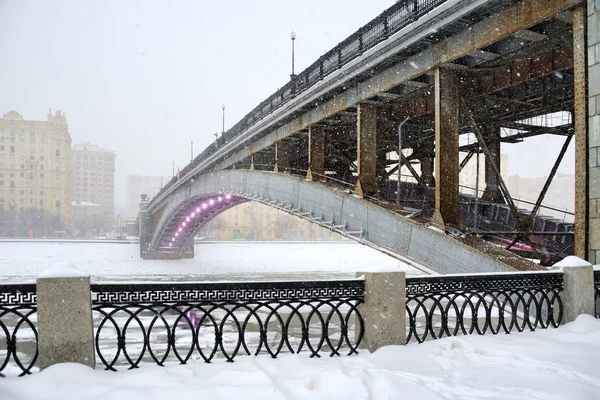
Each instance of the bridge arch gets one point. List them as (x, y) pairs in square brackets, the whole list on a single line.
[(213, 193)]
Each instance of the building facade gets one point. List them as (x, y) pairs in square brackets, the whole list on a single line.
[(35, 175), (138, 185), (94, 180)]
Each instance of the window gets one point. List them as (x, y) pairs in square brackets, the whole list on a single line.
[(57, 153), (1, 183), (12, 149), (2, 148), (42, 202)]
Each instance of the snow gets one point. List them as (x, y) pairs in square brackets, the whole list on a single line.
[(62, 270), (213, 261), (571, 262), (546, 364)]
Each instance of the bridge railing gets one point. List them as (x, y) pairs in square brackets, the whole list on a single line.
[(439, 306), (18, 329), (162, 323), (392, 20)]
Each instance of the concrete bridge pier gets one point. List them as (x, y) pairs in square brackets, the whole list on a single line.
[(145, 226)]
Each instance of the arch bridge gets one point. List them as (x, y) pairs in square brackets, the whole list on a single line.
[(427, 84)]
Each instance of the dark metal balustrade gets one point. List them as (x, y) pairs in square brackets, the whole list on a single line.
[(18, 329), (167, 322), (439, 306), (392, 20)]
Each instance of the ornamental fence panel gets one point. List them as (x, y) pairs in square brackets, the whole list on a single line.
[(18, 329), (162, 323), (439, 306)]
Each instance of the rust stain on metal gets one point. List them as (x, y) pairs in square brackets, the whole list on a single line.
[(581, 143)]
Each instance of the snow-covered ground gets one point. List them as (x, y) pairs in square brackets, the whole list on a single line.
[(547, 364), (213, 261)]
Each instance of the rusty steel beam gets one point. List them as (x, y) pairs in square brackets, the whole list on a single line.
[(511, 20), (316, 153), (421, 102), (581, 139), (447, 109), (366, 157), (540, 199)]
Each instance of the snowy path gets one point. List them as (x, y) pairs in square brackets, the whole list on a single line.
[(546, 364)]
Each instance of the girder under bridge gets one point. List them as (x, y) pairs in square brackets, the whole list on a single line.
[(168, 227)]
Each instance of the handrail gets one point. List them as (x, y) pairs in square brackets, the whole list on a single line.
[(398, 16)]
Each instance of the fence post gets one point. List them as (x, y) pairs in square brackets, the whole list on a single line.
[(578, 294), (384, 309), (64, 310)]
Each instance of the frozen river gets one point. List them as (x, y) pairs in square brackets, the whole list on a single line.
[(214, 261)]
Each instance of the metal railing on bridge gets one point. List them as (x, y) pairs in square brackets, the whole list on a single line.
[(392, 20)]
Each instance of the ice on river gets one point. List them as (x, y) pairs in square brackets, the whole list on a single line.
[(213, 261)]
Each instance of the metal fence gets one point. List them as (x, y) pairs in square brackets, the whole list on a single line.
[(441, 306), (18, 329), (392, 20), (163, 323)]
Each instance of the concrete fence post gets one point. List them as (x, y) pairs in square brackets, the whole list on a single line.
[(578, 294), (64, 312), (384, 310)]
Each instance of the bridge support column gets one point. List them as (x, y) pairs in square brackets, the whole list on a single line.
[(145, 227), (366, 136), (447, 107), (384, 309), (492, 192), (282, 156), (316, 153), (587, 143), (578, 292)]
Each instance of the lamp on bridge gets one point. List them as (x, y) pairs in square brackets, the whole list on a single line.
[(223, 108), (293, 37)]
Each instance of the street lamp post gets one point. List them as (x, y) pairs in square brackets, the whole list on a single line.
[(293, 37), (223, 108)]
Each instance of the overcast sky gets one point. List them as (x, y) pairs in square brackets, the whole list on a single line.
[(144, 78)]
